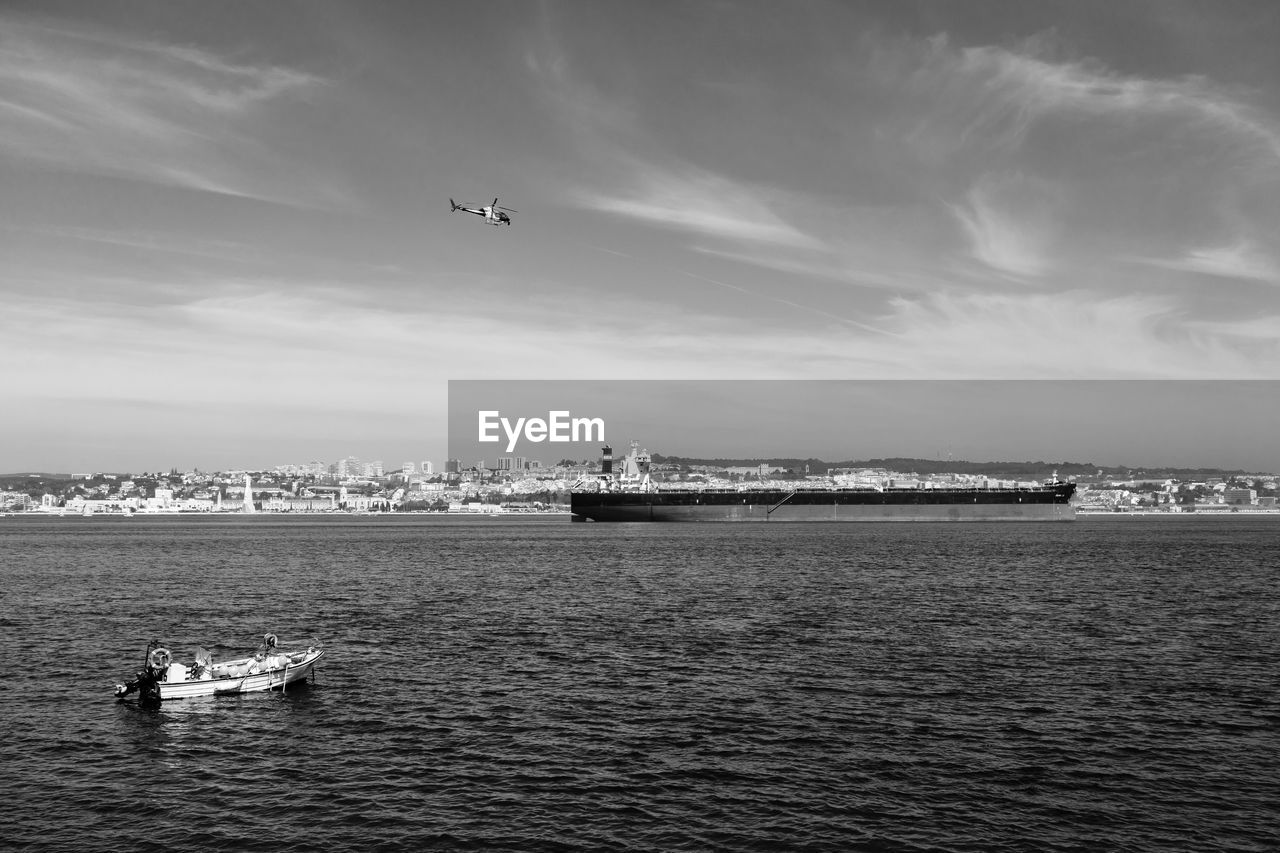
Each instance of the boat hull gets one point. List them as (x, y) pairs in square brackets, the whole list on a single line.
[(1050, 503), (277, 678)]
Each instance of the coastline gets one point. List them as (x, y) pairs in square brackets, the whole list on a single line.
[(529, 517), (315, 517), (1213, 514)]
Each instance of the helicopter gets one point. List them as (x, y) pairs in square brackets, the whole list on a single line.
[(492, 214)]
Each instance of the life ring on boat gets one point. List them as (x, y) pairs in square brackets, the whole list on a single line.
[(270, 641), (159, 658)]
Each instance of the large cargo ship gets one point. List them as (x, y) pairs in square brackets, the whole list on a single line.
[(631, 496)]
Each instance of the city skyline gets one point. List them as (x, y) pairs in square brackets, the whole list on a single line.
[(227, 240)]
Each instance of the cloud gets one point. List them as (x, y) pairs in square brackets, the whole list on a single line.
[(250, 344), (1242, 259), (234, 364), (1071, 334), (1263, 330), (701, 202), (852, 271), (1063, 172), (656, 187), (1008, 221), (152, 242), (96, 102), (1015, 89)]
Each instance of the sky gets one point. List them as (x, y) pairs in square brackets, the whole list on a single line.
[(225, 237), (1135, 423)]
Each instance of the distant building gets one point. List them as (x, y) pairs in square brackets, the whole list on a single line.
[(15, 501), (760, 471), (349, 467), (314, 503), (1239, 497)]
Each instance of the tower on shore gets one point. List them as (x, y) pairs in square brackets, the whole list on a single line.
[(248, 494)]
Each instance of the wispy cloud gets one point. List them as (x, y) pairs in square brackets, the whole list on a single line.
[(790, 303), (1060, 171), (1262, 333), (999, 94), (92, 101), (151, 242), (1242, 259), (701, 202), (657, 187), (1070, 334), (1009, 223)]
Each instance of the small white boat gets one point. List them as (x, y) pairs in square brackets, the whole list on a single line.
[(270, 668)]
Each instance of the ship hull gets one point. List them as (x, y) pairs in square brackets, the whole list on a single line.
[(904, 505)]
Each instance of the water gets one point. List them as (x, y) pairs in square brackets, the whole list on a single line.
[(491, 685)]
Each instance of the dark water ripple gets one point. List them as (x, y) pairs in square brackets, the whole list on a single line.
[(501, 686)]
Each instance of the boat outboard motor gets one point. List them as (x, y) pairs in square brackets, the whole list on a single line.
[(147, 680)]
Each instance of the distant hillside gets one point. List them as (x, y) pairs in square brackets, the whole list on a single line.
[(39, 475), (1005, 470)]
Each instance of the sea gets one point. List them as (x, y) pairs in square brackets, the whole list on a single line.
[(535, 685)]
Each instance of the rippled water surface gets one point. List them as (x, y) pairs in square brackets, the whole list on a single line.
[(493, 685)]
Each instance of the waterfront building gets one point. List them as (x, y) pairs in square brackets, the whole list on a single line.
[(314, 503), (14, 501)]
